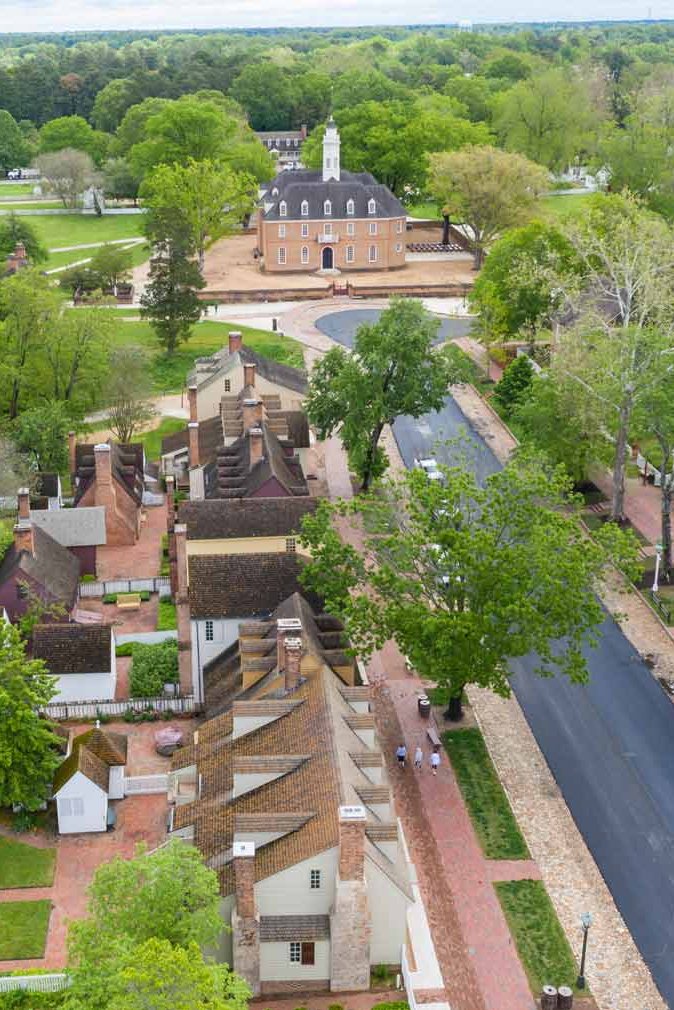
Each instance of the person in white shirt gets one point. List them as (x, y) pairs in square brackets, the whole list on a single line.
[(435, 761), (418, 758)]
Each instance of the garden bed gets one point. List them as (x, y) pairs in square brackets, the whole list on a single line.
[(487, 803)]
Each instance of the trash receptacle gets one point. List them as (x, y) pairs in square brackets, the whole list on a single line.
[(564, 998), (424, 707), (274, 324), (549, 998)]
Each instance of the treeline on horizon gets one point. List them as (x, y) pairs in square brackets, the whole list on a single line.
[(99, 75)]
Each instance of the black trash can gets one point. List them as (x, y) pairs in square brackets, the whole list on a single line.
[(274, 324), (424, 707)]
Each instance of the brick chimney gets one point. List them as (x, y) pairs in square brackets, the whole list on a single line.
[(192, 400), (256, 437), (235, 341), (252, 413), (352, 821), (303, 131), (72, 455), (244, 879), (245, 923), (183, 612), (193, 430), (23, 537), (103, 465), (292, 657), (23, 499), (286, 627), (249, 370)]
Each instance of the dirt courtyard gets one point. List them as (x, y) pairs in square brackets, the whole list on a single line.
[(230, 266)]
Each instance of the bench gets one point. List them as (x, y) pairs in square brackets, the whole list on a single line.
[(433, 737), (128, 601)]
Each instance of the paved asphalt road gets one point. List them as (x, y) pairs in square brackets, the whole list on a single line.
[(610, 745), (341, 326)]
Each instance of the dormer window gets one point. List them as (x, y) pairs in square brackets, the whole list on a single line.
[(305, 208), (350, 208), (283, 209), (274, 191), (372, 207), (327, 208)]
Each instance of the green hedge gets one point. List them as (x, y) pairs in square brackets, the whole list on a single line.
[(167, 619), (125, 649), (152, 667)]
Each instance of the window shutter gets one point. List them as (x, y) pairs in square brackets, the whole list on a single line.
[(308, 953)]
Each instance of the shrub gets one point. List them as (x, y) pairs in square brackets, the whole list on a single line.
[(88, 578), (103, 717), (110, 598), (125, 649), (167, 619), (380, 973), (152, 667), (145, 595), (129, 715), (515, 386)]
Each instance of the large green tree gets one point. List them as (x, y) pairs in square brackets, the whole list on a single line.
[(466, 576), (28, 744), (41, 432), (127, 392), (212, 199), (14, 229), (29, 310), (393, 369), (14, 149), (75, 133), (486, 190), (170, 299), (517, 291), (67, 173)]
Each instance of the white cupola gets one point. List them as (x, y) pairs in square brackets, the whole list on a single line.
[(331, 143)]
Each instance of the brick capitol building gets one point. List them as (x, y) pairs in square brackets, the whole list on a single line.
[(330, 220)]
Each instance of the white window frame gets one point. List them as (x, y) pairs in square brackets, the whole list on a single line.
[(372, 254), (305, 254), (283, 209), (399, 226), (350, 208), (305, 229), (295, 952), (282, 256), (399, 247), (291, 545), (350, 254), (209, 631), (281, 231), (327, 228), (350, 227), (372, 227), (372, 206), (304, 208), (314, 880), (327, 208)]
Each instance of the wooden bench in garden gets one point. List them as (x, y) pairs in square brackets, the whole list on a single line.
[(128, 601), (433, 737)]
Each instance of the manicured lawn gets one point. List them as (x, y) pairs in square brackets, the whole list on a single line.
[(58, 230), (24, 865), (539, 938), (561, 207), (7, 206), (16, 188), (426, 209), (152, 439), (169, 374), (166, 616), (23, 929), (493, 820), (139, 253)]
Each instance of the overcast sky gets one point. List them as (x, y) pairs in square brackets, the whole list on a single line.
[(73, 15)]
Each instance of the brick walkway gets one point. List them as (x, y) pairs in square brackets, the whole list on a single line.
[(642, 502), (140, 561)]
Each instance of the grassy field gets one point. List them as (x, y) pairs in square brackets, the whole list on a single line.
[(25, 865), (426, 209), (58, 230), (493, 820), (23, 929), (541, 944), (559, 208), (7, 205), (168, 374), (152, 439), (16, 188), (139, 253)]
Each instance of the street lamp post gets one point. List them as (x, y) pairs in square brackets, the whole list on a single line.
[(586, 922), (658, 557)]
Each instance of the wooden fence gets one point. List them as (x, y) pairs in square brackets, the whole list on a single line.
[(181, 705), (160, 584), (55, 982)]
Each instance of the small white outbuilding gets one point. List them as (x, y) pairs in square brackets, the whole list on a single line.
[(81, 657), (91, 775)]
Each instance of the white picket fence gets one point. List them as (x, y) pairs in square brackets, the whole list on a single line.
[(160, 584), (181, 705), (35, 983), (145, 785)]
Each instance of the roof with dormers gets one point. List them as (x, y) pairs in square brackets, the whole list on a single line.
[(307, 743), (294, 188)]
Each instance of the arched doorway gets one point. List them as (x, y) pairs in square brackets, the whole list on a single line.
[(328, 258)]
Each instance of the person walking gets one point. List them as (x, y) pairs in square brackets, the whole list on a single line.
[(418, 758), (401, 754), (435, 761)]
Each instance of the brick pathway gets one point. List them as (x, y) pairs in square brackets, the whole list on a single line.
[(642, 502), (349, 1000), (140, 561), (476, 952)]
